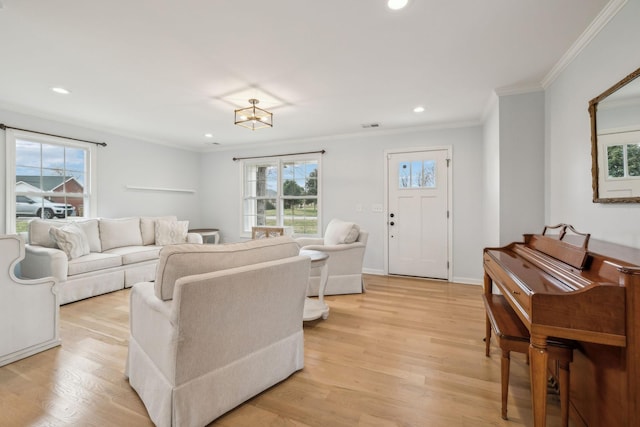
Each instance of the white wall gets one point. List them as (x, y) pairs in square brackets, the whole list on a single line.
[(521, 165), (491, 188), (125, 161), (611, 55), (353, 169)]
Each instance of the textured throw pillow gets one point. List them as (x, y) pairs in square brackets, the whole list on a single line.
[(71, 239), (148, 227), (171, 232), (340, 232)]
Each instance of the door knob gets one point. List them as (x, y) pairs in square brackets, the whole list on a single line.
[(392, 223), (391, 215)]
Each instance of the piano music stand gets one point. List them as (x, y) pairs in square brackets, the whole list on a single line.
[(512, 335)]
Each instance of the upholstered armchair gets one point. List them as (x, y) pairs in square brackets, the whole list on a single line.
[(345, 243)]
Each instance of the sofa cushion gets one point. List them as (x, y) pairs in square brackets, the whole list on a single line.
[(148, 227), (339, 232), (116, 233), (39, 232), (178, 261), (91, 229), (93, 262), (134, 254), (71, 239), (171, 232)]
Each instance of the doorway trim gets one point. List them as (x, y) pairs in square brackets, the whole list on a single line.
[(385, 159)]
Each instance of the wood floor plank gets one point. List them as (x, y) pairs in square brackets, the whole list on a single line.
[(407, 352)]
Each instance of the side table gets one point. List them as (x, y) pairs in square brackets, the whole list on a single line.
[(207, 233), (316, 308)]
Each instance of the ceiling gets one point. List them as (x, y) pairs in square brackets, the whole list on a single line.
[(169, 72)]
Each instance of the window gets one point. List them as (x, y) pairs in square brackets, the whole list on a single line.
[(417, 174), (47, 177), (282, 192), (623, 161)]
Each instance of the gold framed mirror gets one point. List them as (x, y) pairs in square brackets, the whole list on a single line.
[(615, 142)]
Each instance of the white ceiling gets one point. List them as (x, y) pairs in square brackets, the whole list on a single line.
[(170, 71)]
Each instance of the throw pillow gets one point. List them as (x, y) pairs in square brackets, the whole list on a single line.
[(71, 239), (340, 232), (118, 233), (148, 227), (39, 232), (91, 229), (171, 232)]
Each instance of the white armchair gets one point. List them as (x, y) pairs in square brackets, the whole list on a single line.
[(345, 243)]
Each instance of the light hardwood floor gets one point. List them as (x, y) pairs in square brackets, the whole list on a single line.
[(408, 352)]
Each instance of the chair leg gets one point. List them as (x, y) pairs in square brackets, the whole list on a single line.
[(504, 364), (564, 391)]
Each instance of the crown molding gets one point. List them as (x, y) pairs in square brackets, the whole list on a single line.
[(605, 15)]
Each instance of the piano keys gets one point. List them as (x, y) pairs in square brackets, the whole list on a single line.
[(563, 284)]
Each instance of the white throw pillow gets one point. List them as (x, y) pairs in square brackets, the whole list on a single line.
[(340, 232), (171, 232), (91, 229), (71, 239), (118, 233), (39, 232)]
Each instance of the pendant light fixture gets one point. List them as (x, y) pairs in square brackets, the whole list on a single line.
[(253, 117)]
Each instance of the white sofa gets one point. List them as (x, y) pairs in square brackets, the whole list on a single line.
[(220, 324), (345, 243), (90, 257)]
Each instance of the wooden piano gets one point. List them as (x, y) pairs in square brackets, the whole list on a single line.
[(562, 284)]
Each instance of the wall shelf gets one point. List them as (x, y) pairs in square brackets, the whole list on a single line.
[(170, 190)]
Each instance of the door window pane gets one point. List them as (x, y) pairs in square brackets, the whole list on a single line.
[(417, 174)]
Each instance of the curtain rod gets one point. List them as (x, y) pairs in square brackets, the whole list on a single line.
[(279, 155), (3, 127)]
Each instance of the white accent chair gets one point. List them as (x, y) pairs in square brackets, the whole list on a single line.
[(221, 324), (345, 243), (29, 309)]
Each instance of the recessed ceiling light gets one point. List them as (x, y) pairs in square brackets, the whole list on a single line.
[(208, 135), (61, 90), (397, 4), (418, 109)]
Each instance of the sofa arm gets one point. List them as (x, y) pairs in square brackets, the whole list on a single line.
[(151, 327), (194, 238), (44, 262), (306, 241)]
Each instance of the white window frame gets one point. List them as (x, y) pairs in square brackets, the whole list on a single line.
[(11, 135), (278, 161)]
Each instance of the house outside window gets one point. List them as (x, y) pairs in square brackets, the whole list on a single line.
[(47, 177), (282, 192)]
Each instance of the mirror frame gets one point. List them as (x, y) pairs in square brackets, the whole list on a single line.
[(593, 109)]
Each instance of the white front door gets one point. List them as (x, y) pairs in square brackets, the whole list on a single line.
[(418, 213)]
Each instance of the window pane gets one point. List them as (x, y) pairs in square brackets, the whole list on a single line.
[(615, 161), (404, 175), (302, 217), (633, 159), (53, 158), (429, 174), (27, 156)]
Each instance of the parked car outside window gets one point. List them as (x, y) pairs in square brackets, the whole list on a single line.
[(43, 208)]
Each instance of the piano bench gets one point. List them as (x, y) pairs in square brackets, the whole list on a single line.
[(512, 335)]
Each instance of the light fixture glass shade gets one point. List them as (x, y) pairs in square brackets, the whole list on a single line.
[(253, 117)]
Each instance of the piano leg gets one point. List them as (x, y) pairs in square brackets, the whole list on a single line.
[(539, 357)]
